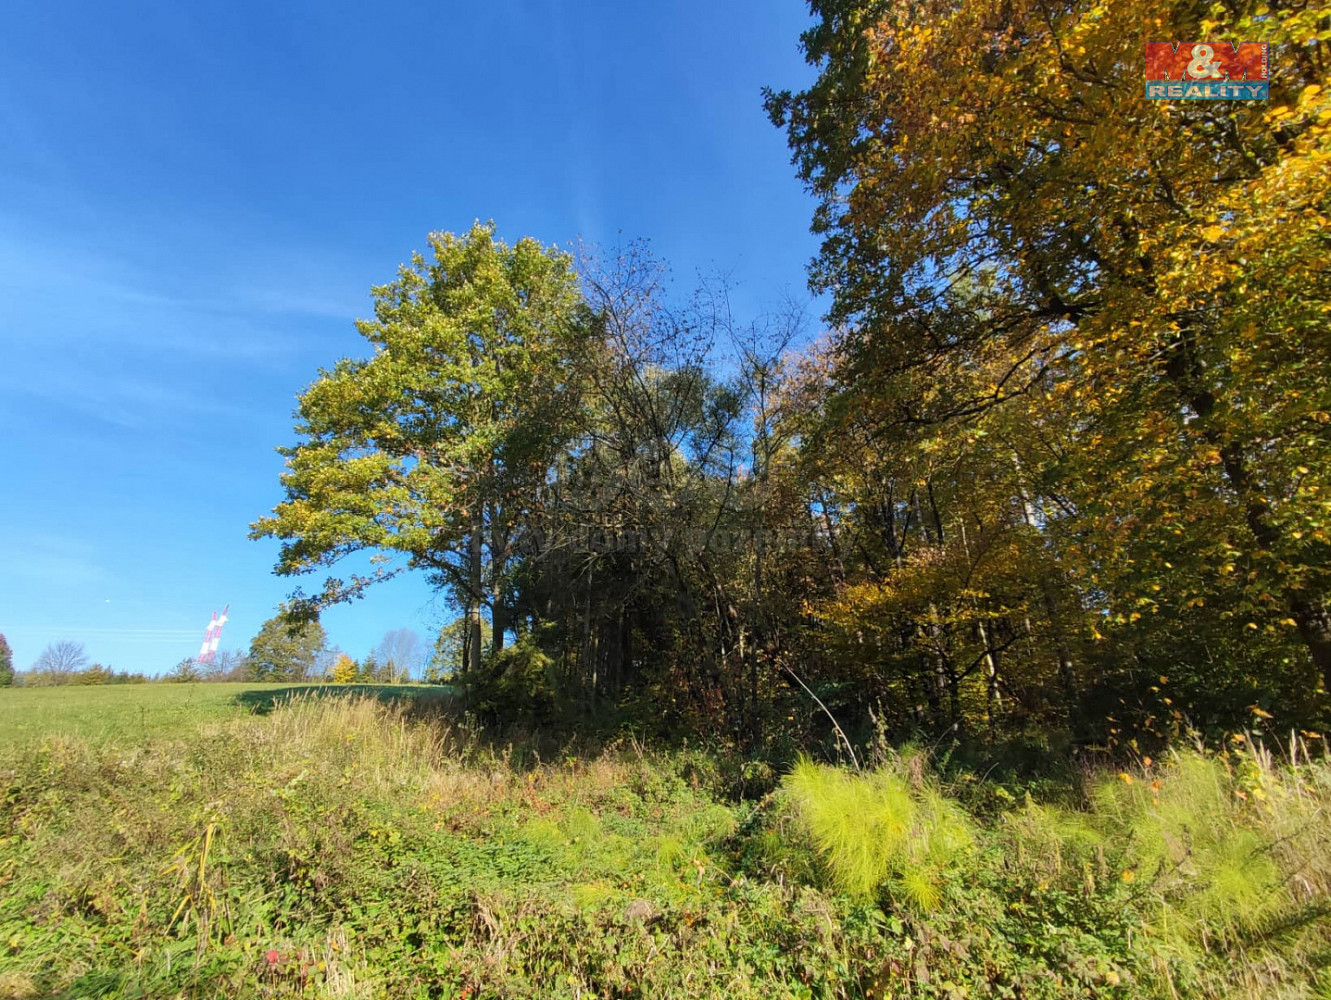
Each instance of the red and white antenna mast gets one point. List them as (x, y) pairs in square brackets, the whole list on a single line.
[(212, 637)]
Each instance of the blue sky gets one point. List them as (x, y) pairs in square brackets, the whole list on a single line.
[(195, 199)]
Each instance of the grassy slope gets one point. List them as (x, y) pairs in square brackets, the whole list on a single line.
[(127, 712), (343, 849), (116, 712)]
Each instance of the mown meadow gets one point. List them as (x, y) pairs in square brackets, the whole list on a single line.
[(121, 712), (351, 846)]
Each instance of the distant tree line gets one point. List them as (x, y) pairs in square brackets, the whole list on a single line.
[(61, 663), (284, 650), (290, 648)]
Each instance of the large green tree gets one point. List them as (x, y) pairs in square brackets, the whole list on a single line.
[(287, 648), (6, 662), (434, 447)]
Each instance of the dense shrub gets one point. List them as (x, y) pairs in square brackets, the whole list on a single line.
[(515, 685)]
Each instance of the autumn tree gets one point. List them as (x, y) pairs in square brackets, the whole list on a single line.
[(1129, 296), (433, 447), (343, 671)]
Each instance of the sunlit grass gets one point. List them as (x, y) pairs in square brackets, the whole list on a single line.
[(873, 829), (115, 712), (376, 847), (130, 712)]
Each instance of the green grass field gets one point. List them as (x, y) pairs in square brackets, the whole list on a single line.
[(115, 712), (132, 712), (165, 842)]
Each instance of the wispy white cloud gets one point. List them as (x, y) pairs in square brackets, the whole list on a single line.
[(39, 634), (96, 335), (70, 293), (129, 402), (42, 560)]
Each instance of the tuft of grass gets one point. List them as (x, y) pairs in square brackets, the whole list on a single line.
[(872, 830), (17, 986), (1222, 857), (859, 823), (1183, 831)]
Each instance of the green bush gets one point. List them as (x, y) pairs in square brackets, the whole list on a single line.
[(515, 686)]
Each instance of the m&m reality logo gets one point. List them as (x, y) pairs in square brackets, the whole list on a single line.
[(1207, 71)]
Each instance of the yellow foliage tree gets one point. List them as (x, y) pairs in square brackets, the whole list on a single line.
[(344, 670), (1016, 239)]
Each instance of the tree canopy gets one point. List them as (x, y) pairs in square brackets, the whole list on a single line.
[(286, 648), (1112, 311), (433, 446), (1058, 463)]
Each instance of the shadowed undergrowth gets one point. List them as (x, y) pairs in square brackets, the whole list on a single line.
[(345, 848)]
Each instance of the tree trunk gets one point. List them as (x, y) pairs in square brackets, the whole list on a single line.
[(1309, 610), (498, 619), (993, 699), (588, 668), (1314, 623), (475, 593), (953, 695), (758, 645), (498, 569), (1066, 677)]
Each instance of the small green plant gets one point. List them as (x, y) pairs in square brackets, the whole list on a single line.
[(871, 830)]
